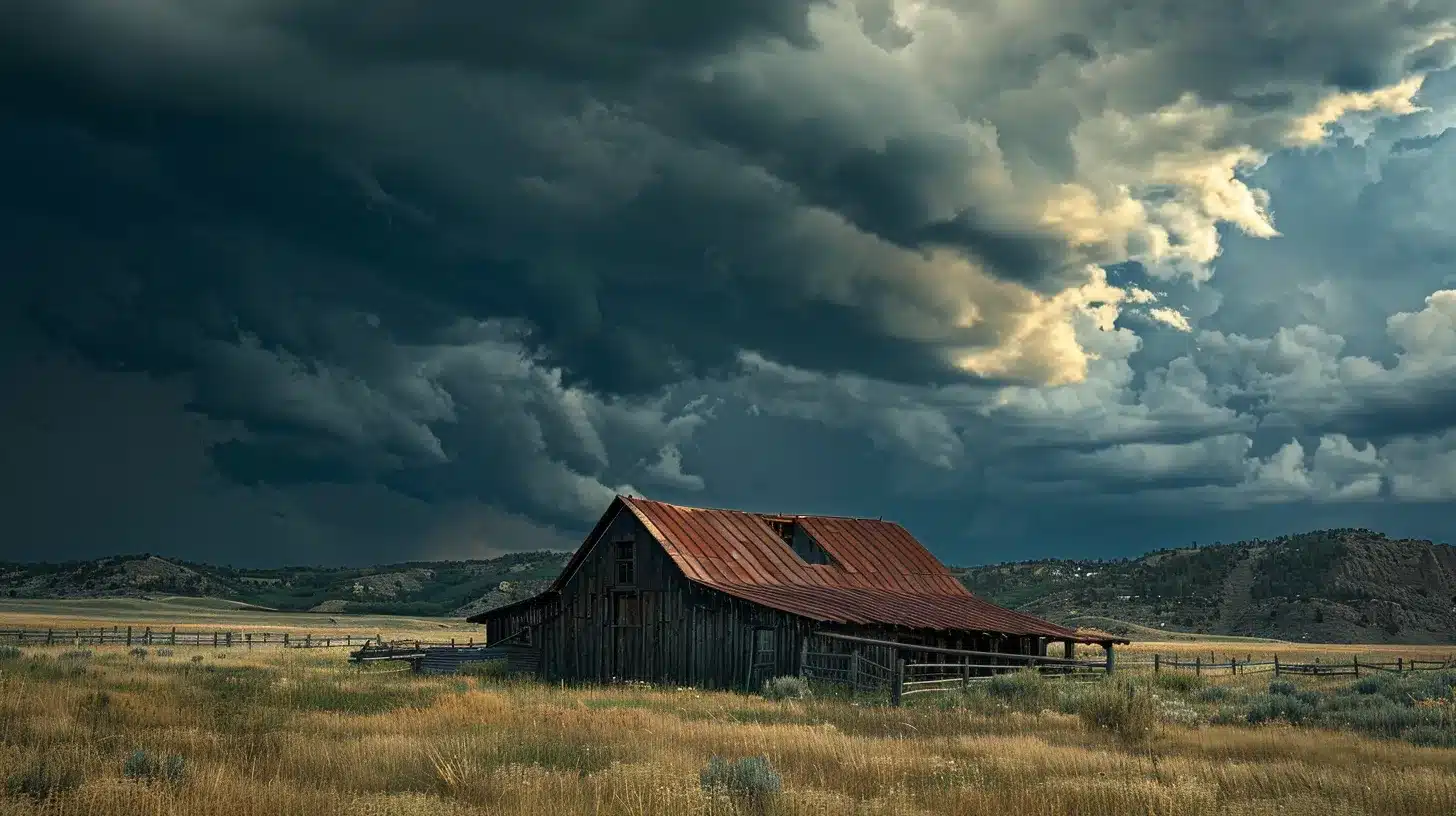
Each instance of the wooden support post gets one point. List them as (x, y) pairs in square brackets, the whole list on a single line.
[(1276, 665), (214, 640), (804, 656), (128, 635), (248, 639), (1198, 665), (854, 670), (965, 674), (898, 690), (285, 640), (1111, 658), (173, 641), (307, 639), (147, 636), (1156, 664), (1400, 665), (50, 636), (1357, 665)]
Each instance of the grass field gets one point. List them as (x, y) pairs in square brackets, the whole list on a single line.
[(274, 732), (213, 613), (1221, 651)]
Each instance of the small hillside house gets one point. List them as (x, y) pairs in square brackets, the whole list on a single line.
[(726, 599)]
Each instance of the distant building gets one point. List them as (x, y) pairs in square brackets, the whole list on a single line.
[(726, 598)]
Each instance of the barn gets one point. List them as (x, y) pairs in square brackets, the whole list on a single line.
[(726, 599)]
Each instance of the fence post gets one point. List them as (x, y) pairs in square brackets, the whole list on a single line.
[(173, 641), (1276, 665), (214, 640), (898, 690), (1157, 664), (1111, 659), (1400, 665), (965, 674), (307, 639), (128, 635), (285, 640), (248, 639), (1198, 665), (1357, 665)]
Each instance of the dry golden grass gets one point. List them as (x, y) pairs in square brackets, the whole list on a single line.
[(1289, 652), (269, 732), (162, 615)]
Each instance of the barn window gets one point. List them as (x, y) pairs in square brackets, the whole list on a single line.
[(626, 563), (799, 540), (763, 642), (629, 609)]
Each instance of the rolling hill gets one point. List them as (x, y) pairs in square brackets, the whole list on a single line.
[(1347, 585), (1333, 586), (434, 588)]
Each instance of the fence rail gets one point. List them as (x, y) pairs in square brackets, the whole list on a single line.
[(949, 670), (147, 636), (1354, 668)]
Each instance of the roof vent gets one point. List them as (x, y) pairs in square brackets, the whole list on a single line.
[(799, 541)]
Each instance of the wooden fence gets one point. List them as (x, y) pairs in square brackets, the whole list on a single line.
[(866, 664), (147, 636), (1354, 668)]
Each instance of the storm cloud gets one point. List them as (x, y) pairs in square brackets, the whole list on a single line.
[(478, 269)]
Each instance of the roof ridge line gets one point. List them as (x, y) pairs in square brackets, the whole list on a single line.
[(763, 515)]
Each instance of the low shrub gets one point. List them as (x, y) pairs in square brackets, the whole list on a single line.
[(1280, 707), (752, 779), (1024, 690), (197, 658), (8, 652), (76, 654), (787, 688), (45, 776), (1128, 711), (1175, 711), (1430, 736), (1382, 717), (1285, 687), (139, 653), (1213, 694), (164, 653), (143, 766)]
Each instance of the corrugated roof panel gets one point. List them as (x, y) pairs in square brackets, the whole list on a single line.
[(880, 574)]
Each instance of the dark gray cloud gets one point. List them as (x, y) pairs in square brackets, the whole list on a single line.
[(486, 266)]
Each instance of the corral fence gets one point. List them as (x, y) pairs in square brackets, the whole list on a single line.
[(447, 657), (902, 669), (1355, 667), (147, 636)]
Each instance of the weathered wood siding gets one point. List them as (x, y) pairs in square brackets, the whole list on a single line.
[(683, 633)]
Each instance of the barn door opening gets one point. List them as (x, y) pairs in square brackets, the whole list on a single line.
[(764, 661), (627, 636)]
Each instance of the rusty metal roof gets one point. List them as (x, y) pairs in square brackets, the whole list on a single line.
[(880, 574)]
